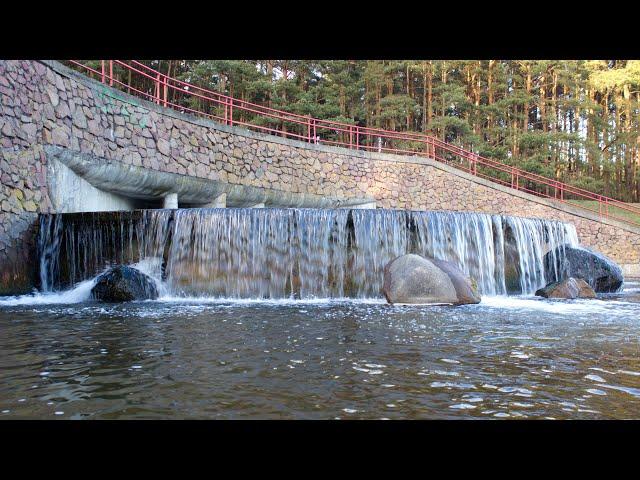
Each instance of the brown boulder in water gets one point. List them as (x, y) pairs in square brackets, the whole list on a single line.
[(415, 279), (569, 288)]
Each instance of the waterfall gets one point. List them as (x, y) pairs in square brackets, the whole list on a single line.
[(49, 250), (300, 253)]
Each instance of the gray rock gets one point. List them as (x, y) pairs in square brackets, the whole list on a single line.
[(53, 95), (164, 146), (568, 288), (60, 135), (599, 271), (123, 284), (79, 119), (62, 110), (7, 130), (28, 132), (414, 279)]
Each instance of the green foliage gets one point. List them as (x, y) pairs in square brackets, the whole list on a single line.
[(588, 183)]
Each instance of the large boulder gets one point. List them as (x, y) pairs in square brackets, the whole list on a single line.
[(415, 279), (600, 272), (568, 288), (123, 284)]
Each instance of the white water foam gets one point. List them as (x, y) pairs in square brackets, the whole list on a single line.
[(271, 301), (573, 307), (80, 293)]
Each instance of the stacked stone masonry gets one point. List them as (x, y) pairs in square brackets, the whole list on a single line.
[(44, 103)]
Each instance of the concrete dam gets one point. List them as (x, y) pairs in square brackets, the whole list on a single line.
[(71, 144)]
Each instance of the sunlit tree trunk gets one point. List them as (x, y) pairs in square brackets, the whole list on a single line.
[(490, 97)]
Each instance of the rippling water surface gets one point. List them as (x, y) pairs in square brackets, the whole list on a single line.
[(515, 357)]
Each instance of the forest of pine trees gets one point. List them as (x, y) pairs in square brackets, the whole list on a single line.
[(575, 121)]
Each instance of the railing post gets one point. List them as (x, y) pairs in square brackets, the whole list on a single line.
[(230, 111), (166, 90), (102, 69), (351, 136), (309, 129), (600, 205), (315, 135), (226, 107), (158, 89), (357, 137), (111, 73)]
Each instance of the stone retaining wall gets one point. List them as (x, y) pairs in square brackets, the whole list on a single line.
[(44, 103)]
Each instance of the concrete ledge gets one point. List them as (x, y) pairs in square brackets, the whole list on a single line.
[(369, 156)]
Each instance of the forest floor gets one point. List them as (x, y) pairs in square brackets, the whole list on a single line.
[(615, 211)]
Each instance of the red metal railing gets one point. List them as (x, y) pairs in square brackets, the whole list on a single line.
[(188, 98)]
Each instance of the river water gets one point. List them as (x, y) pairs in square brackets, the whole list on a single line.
[(508, 357)]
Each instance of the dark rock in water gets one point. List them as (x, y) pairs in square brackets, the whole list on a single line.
[(123, 284), (414, 279), (600, 272), (569, 288)]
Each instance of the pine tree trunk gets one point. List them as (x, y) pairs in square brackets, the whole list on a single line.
[(430, 95), (628, 151), (636, 163), (424, 96), (408, 79), (476, 85), (525, 121), (554, 126), (444, 109), (270, 78), (490, 99)]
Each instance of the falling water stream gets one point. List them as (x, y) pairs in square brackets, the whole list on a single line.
[(295, 253)]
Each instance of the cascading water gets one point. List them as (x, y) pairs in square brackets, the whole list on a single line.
[(300, 253), (49, 250)]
